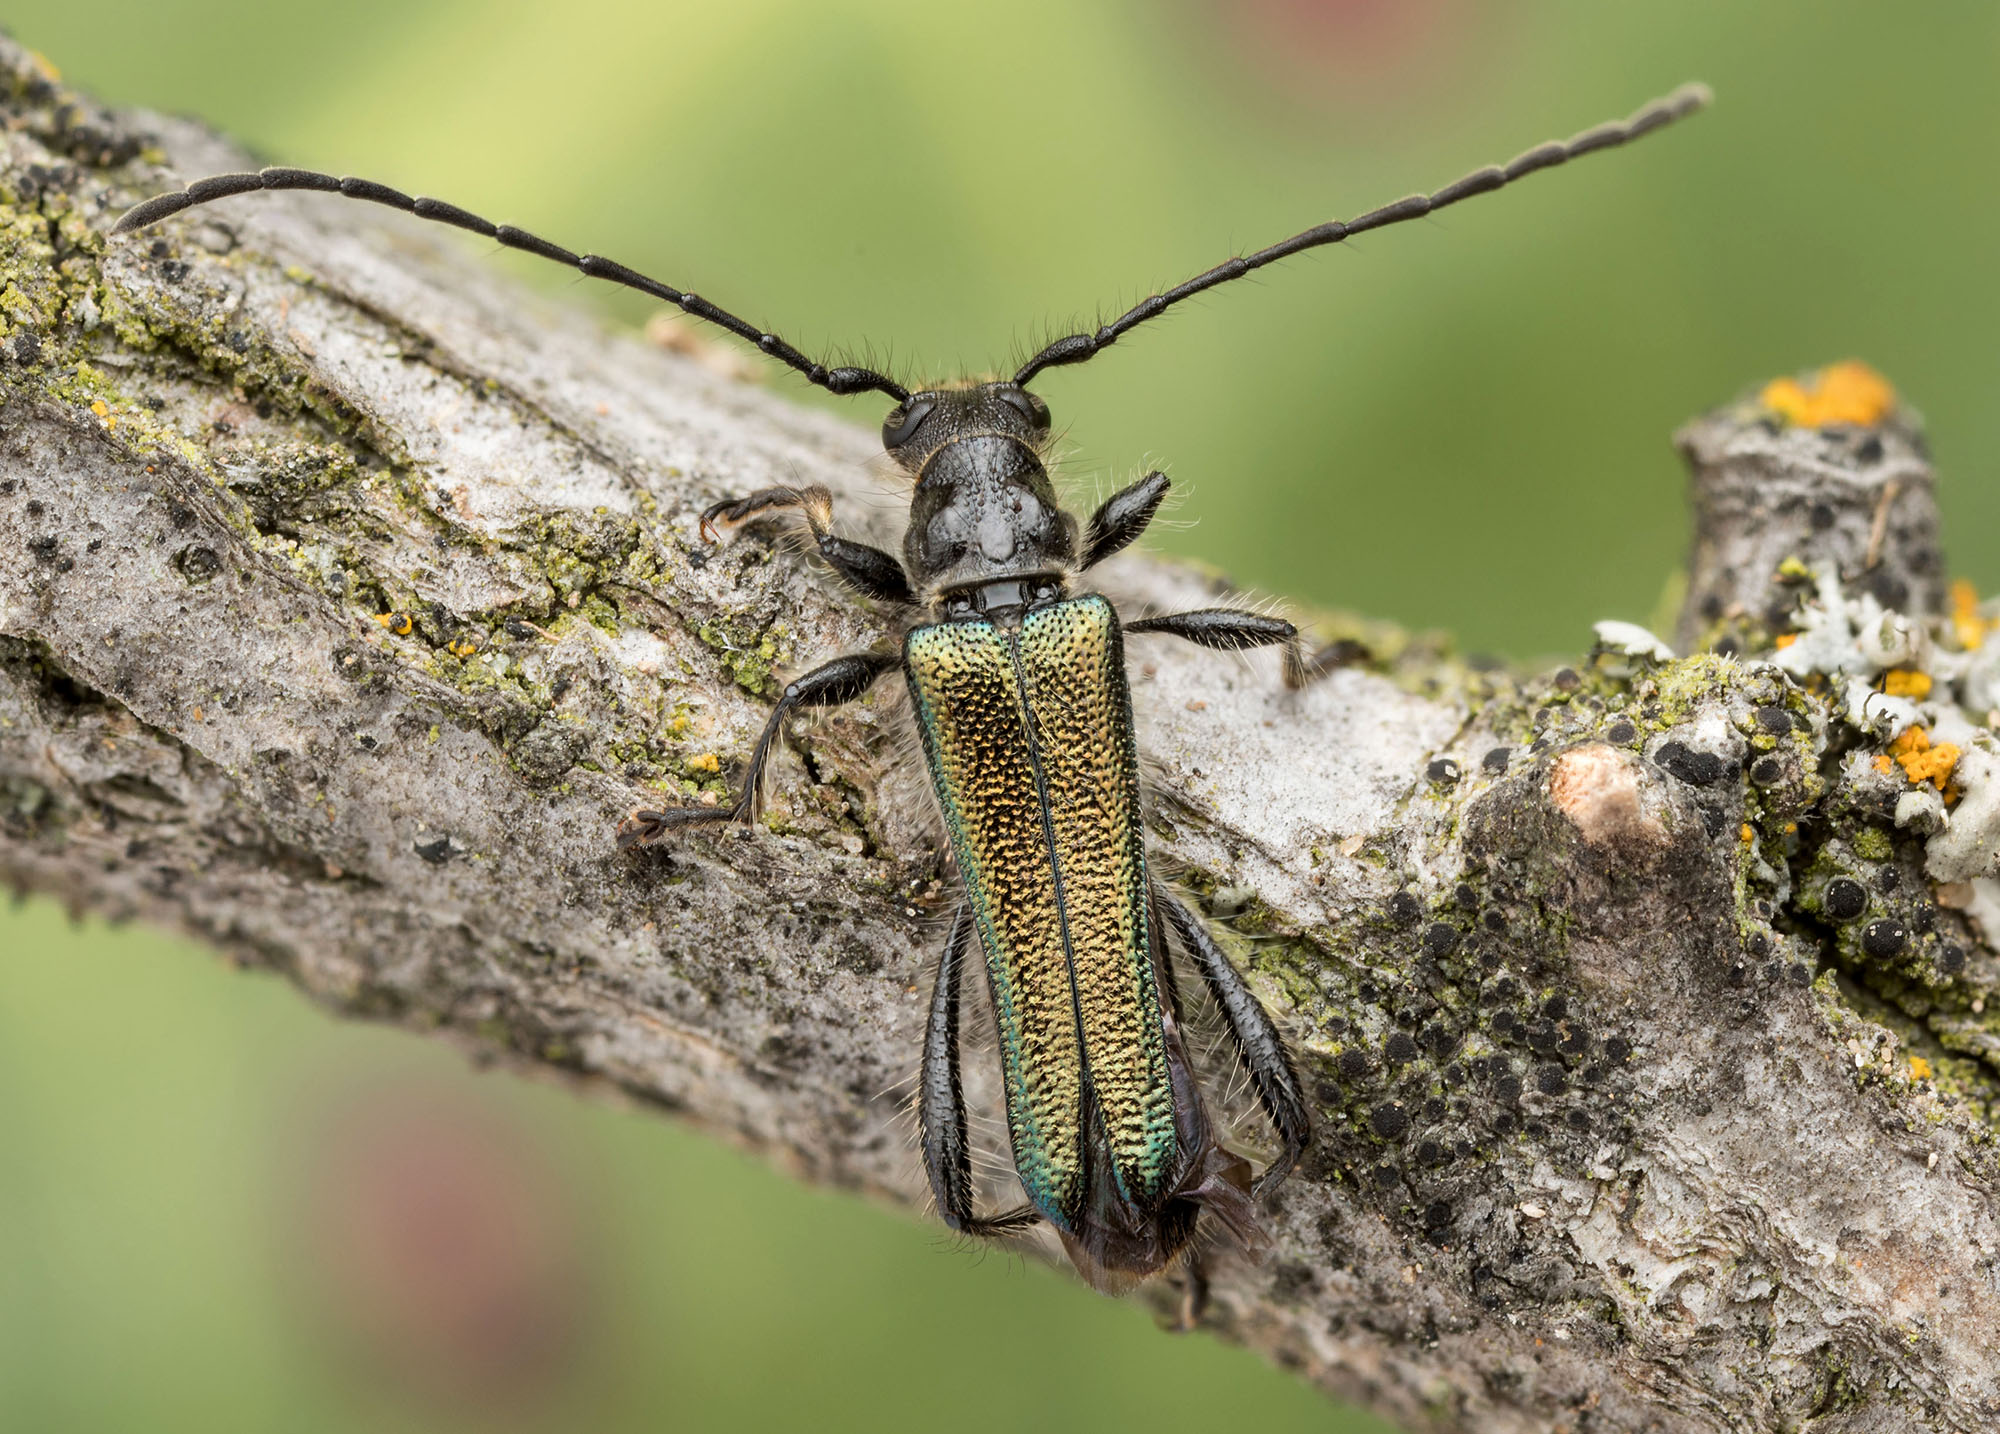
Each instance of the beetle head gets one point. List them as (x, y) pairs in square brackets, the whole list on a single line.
[(926, 421)]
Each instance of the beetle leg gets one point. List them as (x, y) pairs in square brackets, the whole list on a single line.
[(869, 571), (1232, 630), (1122, 517), (941, 1103), (841, 680), (1194, 1289), (1258, 1044)]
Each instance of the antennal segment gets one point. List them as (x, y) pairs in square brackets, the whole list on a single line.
[(1078, 347), (223, 186)]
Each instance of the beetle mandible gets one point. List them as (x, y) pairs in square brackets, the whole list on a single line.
[(1018, 686)]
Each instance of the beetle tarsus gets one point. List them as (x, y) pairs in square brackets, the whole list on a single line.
[(1345, 652), (1194, 1291), (828, 685), (869, 571)]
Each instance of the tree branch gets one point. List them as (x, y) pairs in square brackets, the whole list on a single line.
[(352, 596)]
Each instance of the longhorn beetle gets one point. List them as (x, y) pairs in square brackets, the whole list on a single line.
[(1017, 676)]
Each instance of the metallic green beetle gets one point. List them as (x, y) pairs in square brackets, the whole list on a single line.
[(1018, 682)]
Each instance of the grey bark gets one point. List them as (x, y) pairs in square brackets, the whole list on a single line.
[(1859, 497), (351, 596)]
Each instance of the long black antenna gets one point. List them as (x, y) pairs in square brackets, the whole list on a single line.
[(1078, 347), (222, 186)]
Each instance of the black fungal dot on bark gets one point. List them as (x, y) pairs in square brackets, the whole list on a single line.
[(1429, 1152), (1495, 761), (1883, 938), (1697, 769), (1845, 899), (1437, 1215), (1400, 1049), (1577, 1042), (1759, 944), (1618, 1048), (1555, 1008), (1767, 771), (1621, 732), (1385, 1176), (1466, 897), (1567, 680), (1775, 720), (1951, 960), (1389, 1121), (1798, 974), (1822, 517), (1442, 772), (1404, 908), (1353, 1063), (1578, 1119), (1888, 879), (1495, 921), (1440, 940), (1507, 1089), (197, 564), (1550, 1080), (1503, 1025)]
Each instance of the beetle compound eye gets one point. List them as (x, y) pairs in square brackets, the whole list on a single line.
[(903, 421), (1028, 405)]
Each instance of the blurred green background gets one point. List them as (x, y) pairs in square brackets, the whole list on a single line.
[(220, 1211)]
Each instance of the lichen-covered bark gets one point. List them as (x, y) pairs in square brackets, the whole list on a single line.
[(349, 597)]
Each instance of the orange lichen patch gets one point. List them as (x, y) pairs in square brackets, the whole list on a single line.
[(1966, 623), (463, 647), (706, 762), (1920, 1069), (397, 622), (1904, 682), (1784, 639), (1921, 762), (1849, 392), (1884, 763), (1747, 834)]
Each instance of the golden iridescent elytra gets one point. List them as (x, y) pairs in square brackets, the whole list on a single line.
[(1020, 694)]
